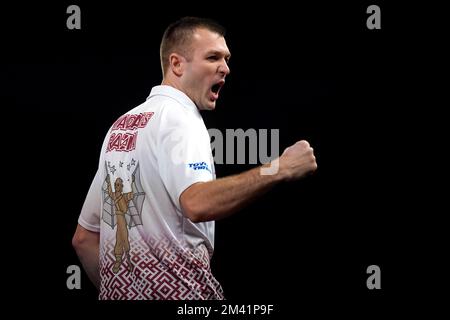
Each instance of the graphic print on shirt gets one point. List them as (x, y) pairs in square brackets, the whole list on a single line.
[(164, 270), (122, 210)]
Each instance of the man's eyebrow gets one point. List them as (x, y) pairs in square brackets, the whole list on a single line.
[(220, 53)]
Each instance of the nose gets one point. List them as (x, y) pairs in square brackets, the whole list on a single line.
[(223, 68)]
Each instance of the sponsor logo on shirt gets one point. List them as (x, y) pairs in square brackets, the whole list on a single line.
[(199, 166)]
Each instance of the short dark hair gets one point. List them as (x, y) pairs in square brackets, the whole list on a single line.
[(177, 36)]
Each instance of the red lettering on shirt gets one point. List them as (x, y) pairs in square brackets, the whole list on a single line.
[(132, 121), (122, 142)]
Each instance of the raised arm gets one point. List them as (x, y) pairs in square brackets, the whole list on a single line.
[(213, 200)]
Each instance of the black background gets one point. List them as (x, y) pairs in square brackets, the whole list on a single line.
[(314, 72)]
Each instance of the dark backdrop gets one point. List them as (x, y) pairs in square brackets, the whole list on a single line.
[(314, 72)]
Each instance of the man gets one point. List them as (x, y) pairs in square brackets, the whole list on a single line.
[(167, 194), (121, 203)]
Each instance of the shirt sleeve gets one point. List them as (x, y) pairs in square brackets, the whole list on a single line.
[(90, 213), (184, 151)]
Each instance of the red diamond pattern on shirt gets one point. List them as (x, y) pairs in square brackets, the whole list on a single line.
[(161, 270)]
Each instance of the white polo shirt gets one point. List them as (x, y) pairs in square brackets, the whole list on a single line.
[(155, 151)]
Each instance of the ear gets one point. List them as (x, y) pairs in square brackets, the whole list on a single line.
[(176, 64)]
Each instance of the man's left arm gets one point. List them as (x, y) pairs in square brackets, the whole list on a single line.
[(86, 244)]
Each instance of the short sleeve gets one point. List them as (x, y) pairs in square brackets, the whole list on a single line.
[(184, 151), (90, 213)]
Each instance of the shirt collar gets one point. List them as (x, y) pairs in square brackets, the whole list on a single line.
[(175, 94)]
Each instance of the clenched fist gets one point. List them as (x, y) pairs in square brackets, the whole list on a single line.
[(297, 161)]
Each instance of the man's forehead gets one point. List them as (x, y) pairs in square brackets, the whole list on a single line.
[(210, 41)]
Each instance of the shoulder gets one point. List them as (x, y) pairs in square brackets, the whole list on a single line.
[(173, 112)]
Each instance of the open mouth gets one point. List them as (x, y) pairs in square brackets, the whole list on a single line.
[(215, 89)]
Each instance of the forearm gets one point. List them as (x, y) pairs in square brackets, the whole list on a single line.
[(90, 262), (86, 244), (217, 199)]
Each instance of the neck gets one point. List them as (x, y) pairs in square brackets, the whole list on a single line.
[(170, 82)]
